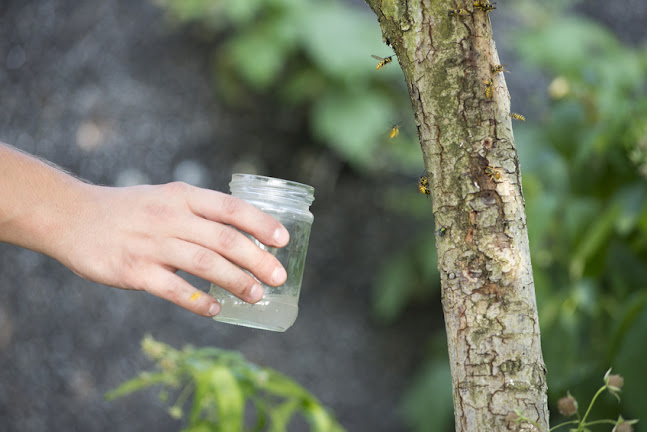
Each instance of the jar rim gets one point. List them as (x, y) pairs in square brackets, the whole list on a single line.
[(301, 189), (271, 181)]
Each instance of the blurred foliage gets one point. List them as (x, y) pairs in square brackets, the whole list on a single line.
[(314, 56), (586, 207), (583, 159), (408, 276), (222, 383), (428, 404)]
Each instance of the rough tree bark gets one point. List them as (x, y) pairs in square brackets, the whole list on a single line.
[(465, 133)]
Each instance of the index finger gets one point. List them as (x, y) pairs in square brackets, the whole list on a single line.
[(227, 209)]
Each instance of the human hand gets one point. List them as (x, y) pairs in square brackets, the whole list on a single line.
[(138, 237)]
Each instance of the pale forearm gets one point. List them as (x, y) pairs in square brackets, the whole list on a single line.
[(37, 201)]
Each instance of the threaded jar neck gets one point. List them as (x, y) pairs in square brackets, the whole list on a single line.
[(261, 188)]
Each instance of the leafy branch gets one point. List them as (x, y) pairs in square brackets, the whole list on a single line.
[(221, 383)]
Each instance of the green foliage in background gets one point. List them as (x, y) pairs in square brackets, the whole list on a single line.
[(218, 385), (586, 207), (315, 56)]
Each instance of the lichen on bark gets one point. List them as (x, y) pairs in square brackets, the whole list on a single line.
[(462, 112)]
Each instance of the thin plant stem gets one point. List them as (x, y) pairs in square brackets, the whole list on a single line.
[(563, 424), (605, 421), (588, 410), (184, 395)]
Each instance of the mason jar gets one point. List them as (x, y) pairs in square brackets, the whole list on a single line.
[(289, 202)]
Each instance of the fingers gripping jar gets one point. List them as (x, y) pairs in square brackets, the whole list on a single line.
[(289, 202)]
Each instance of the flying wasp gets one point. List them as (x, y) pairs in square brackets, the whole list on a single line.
[(395, 131), (493, 173), (423, 185), (484, 5), (517, 117), (383, 61), (495, 69), (489, 88), (455, 12)]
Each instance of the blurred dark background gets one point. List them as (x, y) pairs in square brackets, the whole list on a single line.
[(125, 92)]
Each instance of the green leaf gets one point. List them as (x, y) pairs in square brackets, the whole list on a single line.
[(144, 380), (393, 287), (565, 44), (256, 56), (228, 396), (303, 85), (217, 398), (626, 322), (282, 414), (428, 405), (632, 201), (279, 385), (319, 419), (202, 426), (206, 11), (340, 40), (352, 123), (240, 12), (593, 240)]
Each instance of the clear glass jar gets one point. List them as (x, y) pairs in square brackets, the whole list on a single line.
[(288, 202)]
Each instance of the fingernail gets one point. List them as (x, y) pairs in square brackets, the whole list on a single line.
[(279, 276), (281, 236), (214, 309), (256, 293)]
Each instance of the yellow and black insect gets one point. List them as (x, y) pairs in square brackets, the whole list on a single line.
[(395, 131), (484, 5), (455, 12), (495, 69), (442, 231), (493, 173), (423, 185), (517, 117), (383, 61), (489, 88)]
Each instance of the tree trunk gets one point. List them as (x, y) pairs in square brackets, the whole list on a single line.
[(465, 133)]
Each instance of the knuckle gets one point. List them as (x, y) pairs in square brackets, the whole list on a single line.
[(203, 260), (230, 206), (141, 280), (264, 265), (228, 237), (132, 271), (171, 290), (176, 187)]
